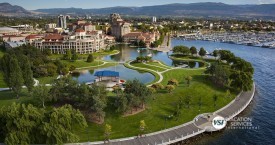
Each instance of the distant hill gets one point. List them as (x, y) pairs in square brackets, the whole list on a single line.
[(207, 9), (177, 9), (10, 10)]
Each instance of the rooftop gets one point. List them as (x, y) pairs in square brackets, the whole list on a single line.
[(106, 73)]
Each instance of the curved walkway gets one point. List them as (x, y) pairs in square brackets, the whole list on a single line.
[(140, 68), (187, 130)]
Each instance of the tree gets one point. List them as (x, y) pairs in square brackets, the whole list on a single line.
[(193, 50), (26, 124), (72, 68), (51, 69), (121, 103), (18, 123), (107, 131), (152, 90), (58, 125), (74, 56), (16, 77), (139, 90), (41, 93), (202, 52), (187, 100), (227, 93), (226, 55), (181, 50), (142, 126), (5, 66), (90, 58), (27, 72), (173, 82), (68, 55), (188, 80), (241, 81), (170, 88), (215, 53), (215, 98), (158, 86)]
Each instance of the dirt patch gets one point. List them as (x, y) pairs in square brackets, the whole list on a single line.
[(133, 112)]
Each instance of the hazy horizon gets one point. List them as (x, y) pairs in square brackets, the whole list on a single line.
[(86, 4)]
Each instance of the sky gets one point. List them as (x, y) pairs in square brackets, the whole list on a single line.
[(37, 4)]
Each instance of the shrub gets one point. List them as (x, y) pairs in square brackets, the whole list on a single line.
[(170, 88)]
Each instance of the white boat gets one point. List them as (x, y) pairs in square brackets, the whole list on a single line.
[(150, 55)]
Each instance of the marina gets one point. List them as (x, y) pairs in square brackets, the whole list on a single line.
[(260, 39)]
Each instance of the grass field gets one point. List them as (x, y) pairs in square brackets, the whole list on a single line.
[(82, 63), (157, 110), (2, 83), (158, 69), (8, 97), (157, 77), (159, 64), (163, 106)]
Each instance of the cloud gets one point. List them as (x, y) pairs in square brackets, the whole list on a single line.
[(266, 1)]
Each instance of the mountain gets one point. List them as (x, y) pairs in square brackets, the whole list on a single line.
[(177, 9), (10, 10), (206, 9)]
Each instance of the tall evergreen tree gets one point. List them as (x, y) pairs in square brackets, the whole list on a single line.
[(27, 72), (16, 78), (5, 66)]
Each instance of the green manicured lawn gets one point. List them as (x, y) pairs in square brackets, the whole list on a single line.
[(161, 107), (157, 77), (82, 63), (46, 80), (157, 109), (148, 66), (159, 65), (8, 97)]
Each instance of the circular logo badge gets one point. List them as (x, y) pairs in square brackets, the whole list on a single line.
[(219, 122)]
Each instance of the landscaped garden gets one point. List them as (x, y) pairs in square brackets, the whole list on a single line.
[(180, 95)]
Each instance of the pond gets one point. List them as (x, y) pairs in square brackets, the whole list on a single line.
[(85, 76), (130, 53)]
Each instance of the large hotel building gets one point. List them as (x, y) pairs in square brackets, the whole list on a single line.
[(82, 42)]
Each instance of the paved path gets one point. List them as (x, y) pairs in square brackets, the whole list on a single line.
[(186, 130)]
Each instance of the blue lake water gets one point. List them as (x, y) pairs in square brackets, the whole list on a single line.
[(262, 109)]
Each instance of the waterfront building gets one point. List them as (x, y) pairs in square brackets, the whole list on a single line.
[(148, 38), (118, 26), (80, 41)]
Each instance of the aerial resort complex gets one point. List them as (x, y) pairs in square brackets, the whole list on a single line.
[(144, 76)]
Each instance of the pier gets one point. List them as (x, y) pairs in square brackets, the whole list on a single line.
[(190, 129)]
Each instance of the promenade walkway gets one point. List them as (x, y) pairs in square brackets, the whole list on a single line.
[(187, 130)]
